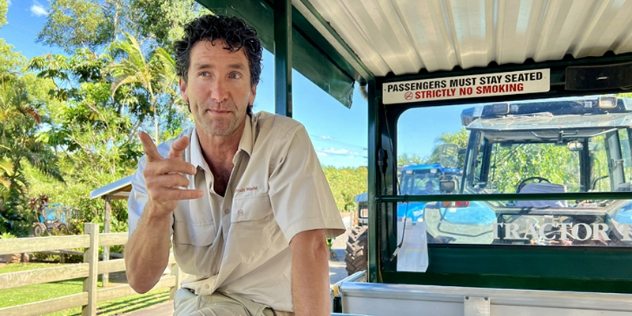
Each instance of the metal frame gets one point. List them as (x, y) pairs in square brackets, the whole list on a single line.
[(603, 270), (283, 57), (527, 267)]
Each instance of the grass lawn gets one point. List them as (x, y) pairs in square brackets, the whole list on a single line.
[(39, 292)]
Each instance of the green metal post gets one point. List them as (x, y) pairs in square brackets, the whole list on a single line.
[(374, 136), (283, 57)]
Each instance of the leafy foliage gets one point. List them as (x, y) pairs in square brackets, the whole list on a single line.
[(345, 184), (21, 116), (82, 18), (4, 8)]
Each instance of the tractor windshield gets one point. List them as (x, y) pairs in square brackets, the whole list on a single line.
[(569, 145)]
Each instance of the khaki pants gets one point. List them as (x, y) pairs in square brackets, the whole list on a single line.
[(218, 304)]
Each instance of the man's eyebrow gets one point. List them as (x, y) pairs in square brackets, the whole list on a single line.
[(238, 66), (203, 66)]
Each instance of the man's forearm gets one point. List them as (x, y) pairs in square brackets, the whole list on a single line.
[(147, 250), (310, 280)]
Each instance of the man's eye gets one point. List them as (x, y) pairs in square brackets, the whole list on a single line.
[(205, 74), (234, 75)]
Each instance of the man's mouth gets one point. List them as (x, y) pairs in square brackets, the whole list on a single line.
[(214, 111)]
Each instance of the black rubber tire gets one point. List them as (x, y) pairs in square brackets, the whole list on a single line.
[(62, 228), (38, 229), (356, 252)]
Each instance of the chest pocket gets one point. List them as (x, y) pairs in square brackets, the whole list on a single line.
[(194, 229), (252, 225), (251, 209), (185, 233)]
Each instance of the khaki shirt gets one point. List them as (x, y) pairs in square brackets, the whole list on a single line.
[(239, 243)]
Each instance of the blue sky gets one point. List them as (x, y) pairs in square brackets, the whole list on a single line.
[(339, 134)]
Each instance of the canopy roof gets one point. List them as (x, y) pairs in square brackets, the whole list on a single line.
[(337, 42), (115, 190), (405, 37)]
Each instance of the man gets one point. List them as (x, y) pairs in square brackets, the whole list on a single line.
[(429, 187), (242, 194)]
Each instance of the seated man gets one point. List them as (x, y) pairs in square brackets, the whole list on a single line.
[(242, 194), (429, 188)]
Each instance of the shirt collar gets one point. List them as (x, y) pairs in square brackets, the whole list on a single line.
[(245, 144)]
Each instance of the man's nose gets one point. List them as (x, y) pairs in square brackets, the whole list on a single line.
[(218, 91)]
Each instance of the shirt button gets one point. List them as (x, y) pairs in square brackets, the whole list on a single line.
[(226, 211), (240, 213), (206, 286)]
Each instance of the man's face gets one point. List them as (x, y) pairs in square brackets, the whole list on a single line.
[(429, 187), (218, 88)]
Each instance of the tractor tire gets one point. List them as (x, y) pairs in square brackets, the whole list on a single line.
[(38, 229), (356, 252), (62, 228)]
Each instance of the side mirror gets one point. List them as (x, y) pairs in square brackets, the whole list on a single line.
[(448, 155), (447, 186)]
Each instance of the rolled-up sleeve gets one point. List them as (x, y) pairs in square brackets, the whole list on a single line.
[(299, 192)]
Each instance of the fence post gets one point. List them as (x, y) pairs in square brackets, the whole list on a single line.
[(175, 270), (91, 256), (105, 278)]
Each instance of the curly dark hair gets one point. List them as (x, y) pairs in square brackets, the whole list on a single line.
[(233, 31)]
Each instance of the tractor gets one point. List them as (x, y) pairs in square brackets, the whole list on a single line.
[(53, 217), (413, 179)]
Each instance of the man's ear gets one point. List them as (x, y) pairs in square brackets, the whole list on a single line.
[(183, 90)]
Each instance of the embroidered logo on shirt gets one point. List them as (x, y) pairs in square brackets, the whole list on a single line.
[(246, 189)]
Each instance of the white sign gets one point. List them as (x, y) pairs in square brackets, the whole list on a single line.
[(413, 255), (494, 84)]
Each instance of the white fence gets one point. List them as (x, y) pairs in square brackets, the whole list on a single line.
[(89, 270)]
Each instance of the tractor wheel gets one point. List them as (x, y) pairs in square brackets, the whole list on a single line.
[(38, 229), (356, 252), (62, 228)]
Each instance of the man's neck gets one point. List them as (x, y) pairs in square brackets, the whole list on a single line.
[(218, 151)]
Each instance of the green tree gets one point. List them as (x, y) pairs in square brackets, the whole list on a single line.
[(345, 184), (74, 24), (20, 116), (4, 8), (164, 20), (155, 77), (406, 159)]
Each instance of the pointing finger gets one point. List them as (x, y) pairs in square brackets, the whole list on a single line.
[(149, 147)]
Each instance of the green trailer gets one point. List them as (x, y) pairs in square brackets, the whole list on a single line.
[(532, 102)]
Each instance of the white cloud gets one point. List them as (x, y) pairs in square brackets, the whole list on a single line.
[(326, 137), (9, 3), (339, 151), (38, 9)]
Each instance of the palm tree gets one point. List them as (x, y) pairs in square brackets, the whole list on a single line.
[(18, 142), (154, 76)]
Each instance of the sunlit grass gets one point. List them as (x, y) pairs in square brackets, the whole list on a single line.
[(38, 292)]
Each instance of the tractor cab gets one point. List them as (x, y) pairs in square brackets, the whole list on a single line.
[(561, 145)]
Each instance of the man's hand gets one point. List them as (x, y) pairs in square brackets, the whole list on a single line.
[(163, 176), (147, 250)]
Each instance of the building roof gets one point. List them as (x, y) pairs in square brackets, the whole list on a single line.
[(118, 190)]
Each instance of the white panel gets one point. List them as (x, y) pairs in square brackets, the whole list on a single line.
[(395, 307), (407, 36), (564, 22), (476, 306)]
